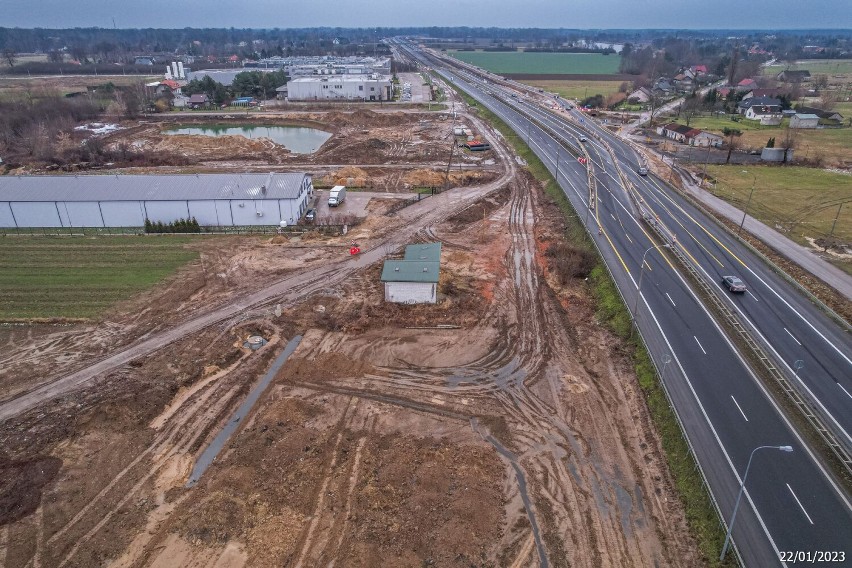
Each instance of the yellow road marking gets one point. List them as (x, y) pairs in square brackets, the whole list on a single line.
[(709, 234), (615, 250)]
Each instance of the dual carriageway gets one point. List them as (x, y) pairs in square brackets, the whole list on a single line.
[(647, 233)]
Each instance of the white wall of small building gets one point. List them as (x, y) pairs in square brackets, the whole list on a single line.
[(411, 292)]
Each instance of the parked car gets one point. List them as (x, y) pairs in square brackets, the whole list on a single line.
[(733, 284), (310, 215)]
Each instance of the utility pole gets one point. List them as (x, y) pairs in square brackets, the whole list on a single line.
[(833, 225)]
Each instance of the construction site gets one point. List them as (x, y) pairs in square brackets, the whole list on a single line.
[(502, 426)]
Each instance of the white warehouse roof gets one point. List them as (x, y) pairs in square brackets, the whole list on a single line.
[(151, 187)]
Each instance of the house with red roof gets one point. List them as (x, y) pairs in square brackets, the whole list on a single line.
[(746, 85)]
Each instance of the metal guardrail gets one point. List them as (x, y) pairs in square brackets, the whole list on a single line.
[(803, 406), (705, 483), (775, 268)]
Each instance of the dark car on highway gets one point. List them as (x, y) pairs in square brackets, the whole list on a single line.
[(733, 284)]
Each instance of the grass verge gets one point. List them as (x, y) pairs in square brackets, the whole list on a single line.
[(81, 277), (700, 513)]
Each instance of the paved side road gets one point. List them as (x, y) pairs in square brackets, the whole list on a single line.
[(790, 250)]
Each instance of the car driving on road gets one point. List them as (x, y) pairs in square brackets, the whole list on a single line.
[(733, 284)]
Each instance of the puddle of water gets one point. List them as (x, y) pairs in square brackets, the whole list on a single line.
[(297, 139), (522, 488), (625, 503), (210, 452)]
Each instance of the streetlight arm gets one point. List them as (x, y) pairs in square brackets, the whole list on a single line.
[(740, 494)]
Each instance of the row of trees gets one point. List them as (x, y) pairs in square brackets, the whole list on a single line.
[(179, 226), (258, 84)]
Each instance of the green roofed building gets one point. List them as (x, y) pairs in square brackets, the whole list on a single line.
[(426, 251), (413, 280)]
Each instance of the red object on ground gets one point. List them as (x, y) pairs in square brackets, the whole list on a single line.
[(354, 250)]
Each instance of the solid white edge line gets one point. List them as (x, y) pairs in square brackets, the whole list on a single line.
[(762, 388), (800, 503), (793, 336), (844, 390), (713, 431), (738, 408), (699, 345), (783, 361), (770, 288), (755, 380), (752, 295)]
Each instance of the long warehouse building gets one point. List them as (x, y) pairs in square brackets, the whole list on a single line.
[(222, 200)]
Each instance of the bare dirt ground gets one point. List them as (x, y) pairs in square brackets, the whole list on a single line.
[(516, 437)]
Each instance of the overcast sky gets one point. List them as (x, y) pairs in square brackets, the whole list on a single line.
[(689, 14)]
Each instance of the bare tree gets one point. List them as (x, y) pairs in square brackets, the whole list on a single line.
[(10, 55), (731, 133)]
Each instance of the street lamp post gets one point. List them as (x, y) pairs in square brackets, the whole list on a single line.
[(641, 272), (740, 494), (745, 211)]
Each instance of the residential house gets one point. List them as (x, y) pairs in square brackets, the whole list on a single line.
[(775, 93), (800, 120), (281, 92), (683, 82), (768, 115), (746, 85), (828, 117), (640, 95), (794, 76), (705, 139), (689, 135), (745, 104), (675, 131), (663, 87), (198, 101)]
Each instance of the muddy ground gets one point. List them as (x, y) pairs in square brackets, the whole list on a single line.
[(515, 432), (379, 151)]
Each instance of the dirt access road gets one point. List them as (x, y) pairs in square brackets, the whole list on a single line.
[(519, 439)]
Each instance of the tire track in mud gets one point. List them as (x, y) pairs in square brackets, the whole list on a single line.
[(287, 291), (181, 431)]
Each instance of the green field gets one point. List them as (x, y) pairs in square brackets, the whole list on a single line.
[(541, 63), (815, 66), (718, 123), (81, 277), (575, 89), (799, 202)]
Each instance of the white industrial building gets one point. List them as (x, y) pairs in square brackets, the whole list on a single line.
[(413, 280), (222, 200), (366, 87)]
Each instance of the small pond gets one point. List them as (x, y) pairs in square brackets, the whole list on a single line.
[(297, 139)]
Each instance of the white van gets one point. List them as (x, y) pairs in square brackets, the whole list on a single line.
[(337, 195)]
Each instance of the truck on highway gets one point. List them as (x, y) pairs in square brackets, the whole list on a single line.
[(337, 195)]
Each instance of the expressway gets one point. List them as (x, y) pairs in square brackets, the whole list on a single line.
[(791, 503), (789, 326)]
